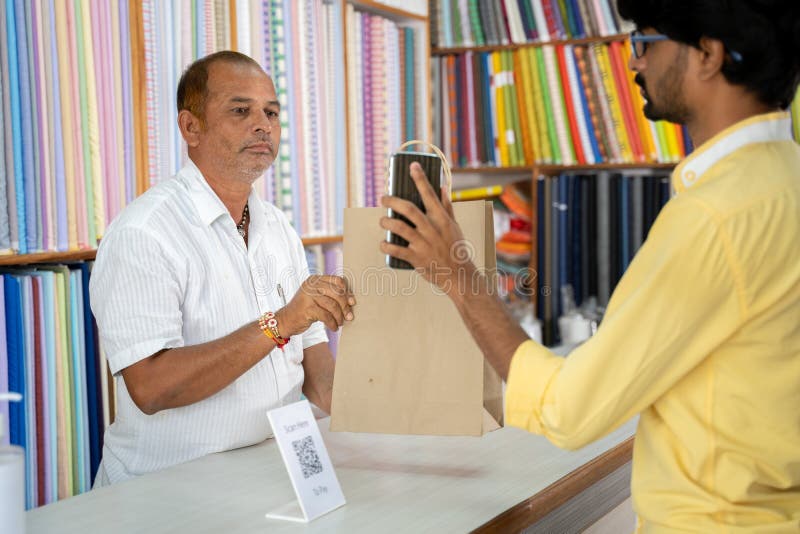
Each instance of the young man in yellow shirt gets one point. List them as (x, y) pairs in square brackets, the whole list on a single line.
[(702, 335)]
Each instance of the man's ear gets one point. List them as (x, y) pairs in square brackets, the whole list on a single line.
[(711, 55), (190, 126)]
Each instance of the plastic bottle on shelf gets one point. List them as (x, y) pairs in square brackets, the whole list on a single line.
[(12, 480), (575, 328)]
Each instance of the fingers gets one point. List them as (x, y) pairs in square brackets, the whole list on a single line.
[(437, 209), (319, 313), (326, 298), (407, 209), (424, 187), (335, 288), (400, 228), (401, 253), (330, 313)]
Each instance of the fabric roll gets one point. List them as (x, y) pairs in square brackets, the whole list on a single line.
[(55, 100), (29, 417), (128, 36), (34, 178), (95, 199), (603, 239), (638, 213), (108, 180), (39, 381), (6, 201), (4, 358), (65, 113), (41, 53), (50, 421), (16, 127), (26, 108), (80, 131)]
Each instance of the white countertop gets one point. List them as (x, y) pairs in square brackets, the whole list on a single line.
[(392, 483)]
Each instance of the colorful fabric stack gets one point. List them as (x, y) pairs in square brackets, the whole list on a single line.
[(49, 353), (87, 102), (462, 23), (385, 72), (564, 104)]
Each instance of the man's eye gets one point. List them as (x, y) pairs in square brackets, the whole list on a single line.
[(272, 114), (240, 111)]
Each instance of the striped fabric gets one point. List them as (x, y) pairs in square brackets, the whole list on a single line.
[(88, 106), (383, 77)]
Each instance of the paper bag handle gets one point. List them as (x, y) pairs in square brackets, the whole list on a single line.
[(448, 177)]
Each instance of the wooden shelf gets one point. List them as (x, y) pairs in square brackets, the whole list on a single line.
[(88, 255), (48, 257), (383, 9), (322, 240), (492, 170), (551, 169), (533, 44)]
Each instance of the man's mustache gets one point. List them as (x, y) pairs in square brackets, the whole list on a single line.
[(261, 141)]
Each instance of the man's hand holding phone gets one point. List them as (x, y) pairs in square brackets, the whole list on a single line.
[(435, 241)]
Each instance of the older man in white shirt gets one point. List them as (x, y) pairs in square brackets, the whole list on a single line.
[(203, 300)]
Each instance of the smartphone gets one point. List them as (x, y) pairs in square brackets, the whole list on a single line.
[(401, 185)]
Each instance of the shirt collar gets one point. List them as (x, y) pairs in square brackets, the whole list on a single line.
[(208, 205), (764, 128)]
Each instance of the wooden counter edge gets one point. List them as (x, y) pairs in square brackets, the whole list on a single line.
[(537, 506)]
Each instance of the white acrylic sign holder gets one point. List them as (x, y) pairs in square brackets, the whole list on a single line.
[(307, 461)]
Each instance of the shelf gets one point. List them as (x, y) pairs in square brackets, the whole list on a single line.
[(88, 255), (535, 44), (383, 9), (322, 240), (492, 170), (550, 169), (48, 257)]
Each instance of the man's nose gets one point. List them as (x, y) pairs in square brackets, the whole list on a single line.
[(262, 124), (636, 63)]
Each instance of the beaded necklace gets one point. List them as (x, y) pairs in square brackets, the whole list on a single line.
[(242, 226)]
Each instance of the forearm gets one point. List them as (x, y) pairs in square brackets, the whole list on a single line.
[(185, 375), (496, 332), (318, 367)]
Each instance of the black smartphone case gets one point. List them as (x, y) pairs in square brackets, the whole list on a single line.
[(401, 184)]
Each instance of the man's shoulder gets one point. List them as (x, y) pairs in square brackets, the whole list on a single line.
[(152, 210)]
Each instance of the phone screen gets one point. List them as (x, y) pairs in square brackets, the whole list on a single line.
[(401, 185)]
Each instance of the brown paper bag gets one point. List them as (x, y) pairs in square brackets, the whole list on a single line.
[(407, 363)]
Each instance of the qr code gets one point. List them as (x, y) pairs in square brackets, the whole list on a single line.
[(307, 454)]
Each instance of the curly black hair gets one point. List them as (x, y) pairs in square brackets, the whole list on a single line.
[(766, 33)]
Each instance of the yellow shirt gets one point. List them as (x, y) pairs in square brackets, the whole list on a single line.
[(702, 338)]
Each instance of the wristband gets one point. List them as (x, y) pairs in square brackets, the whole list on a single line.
[(269, 325)]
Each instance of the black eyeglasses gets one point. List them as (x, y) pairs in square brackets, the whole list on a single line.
[(639, 42)]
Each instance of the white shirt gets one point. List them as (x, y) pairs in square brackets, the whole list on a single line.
[(173, 271)]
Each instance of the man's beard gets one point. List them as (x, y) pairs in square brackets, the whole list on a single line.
[(672, 104)]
